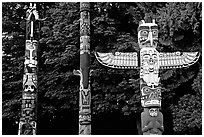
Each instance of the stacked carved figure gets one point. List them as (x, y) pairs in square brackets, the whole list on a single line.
[(149, 60), (84, 72), (27, 124)]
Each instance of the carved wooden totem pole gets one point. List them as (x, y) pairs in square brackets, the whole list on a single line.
[(27, 124), (84, 72), (150, 61)]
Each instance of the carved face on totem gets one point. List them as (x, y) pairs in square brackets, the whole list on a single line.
[(85, 23), (84, 112), (84, 6), (30, 82), (147, 34), (84, 118), (151, 97), (153, 112), (149, 66), (84, 44), (28, 113), (29, 86), (85, 97), (31, 48), (31, 56)]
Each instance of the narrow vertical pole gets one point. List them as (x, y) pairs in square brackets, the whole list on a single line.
[(84, 72), (27, 124)]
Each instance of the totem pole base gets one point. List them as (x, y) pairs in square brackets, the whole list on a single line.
[(152, 121)]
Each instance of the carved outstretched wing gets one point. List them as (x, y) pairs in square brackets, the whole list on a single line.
[(177, 59), (118, 60)]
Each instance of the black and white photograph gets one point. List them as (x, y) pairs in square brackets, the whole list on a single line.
[(101, 68)]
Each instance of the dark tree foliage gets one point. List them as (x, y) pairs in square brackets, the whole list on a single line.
[(115, 100)]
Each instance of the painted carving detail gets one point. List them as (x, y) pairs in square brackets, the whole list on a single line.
[(85, 23), (84, 72), (27, 128), (147, 34), (27, 124), (152, 121), (150, 96), (177, 59), (30, 56), (32, 12), (84, 44), (149, 68), (118, 60)]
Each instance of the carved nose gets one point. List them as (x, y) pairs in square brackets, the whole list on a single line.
[(150, 38), (150, 60), (153, 95)]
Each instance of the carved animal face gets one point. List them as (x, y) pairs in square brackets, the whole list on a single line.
[(30, 83), (147, 34), (153, 112), (149, 59), (85, 97), (149, 66), (31, 47), (151, 96)]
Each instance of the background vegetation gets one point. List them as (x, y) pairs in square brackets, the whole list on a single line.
[(116, 104)]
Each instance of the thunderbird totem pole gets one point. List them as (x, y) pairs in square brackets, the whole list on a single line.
[(27, 124), (150, 61), (84, 72)]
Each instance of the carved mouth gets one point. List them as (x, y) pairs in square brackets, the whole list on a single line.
[(151, 69), (152, 102), (142, 40), (147, 43)]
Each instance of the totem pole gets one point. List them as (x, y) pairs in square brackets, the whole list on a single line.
[(27, 124), (84, 72), (150, 61)]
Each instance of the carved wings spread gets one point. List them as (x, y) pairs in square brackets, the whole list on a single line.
[(122, 60), (118, 60), (177, 59)]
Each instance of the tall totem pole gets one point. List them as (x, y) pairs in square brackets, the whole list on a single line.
[(27, 124), (84, 72), (150, 61)]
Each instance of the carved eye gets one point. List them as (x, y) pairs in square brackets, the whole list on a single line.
[(158, 90), (146, 90), (26, 86), (146, 57), (144, 32), (32, 87), (28, 43), (35, 43), (152, 110), (154, 56), (154, 32)]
